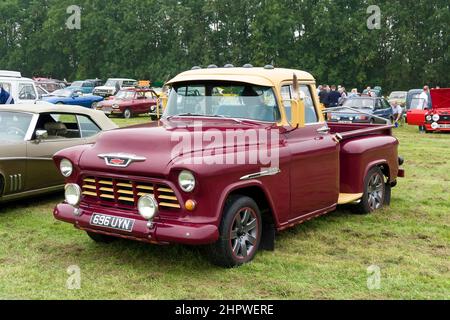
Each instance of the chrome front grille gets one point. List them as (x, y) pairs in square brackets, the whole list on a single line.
[(126, 193)]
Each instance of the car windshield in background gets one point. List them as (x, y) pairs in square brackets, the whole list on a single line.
[(417, 104), (125, 95), (129, 84), (398, 96), (227, 100), (14, 125), (77, 84), (62, 93), (359, 103), (111, 83)]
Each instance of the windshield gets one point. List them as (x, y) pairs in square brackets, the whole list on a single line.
[(111, 83), (398, 95), (14, 125), (224, 99), (359, 103), (125, 94), (77, 84), (62, 93), (417, 104)]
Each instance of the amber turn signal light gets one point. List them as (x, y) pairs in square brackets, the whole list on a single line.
[(190, 205)]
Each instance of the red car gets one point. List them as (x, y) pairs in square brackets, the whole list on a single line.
[(240, 154), (130, 102), (438, 118)]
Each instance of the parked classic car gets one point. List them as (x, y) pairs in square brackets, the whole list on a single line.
[(30, 134), (50, 85), (71, 97), (179, 180), (110, 87), (86, 87), (371, 110), (412, 99), (130, 102), (23, 90), (398, 97), (434, 119)]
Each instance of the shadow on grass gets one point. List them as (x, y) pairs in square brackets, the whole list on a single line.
[(35, 201)]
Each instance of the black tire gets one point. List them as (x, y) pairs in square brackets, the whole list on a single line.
[(233, 247), (100, 238), (387, 195), (127, 114), (374, 197), (372, 121)]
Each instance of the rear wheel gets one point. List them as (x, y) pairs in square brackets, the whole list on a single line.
[(240, 233), (127, 114), (374, 197), (100, 238)]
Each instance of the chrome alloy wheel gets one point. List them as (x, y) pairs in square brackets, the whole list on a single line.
[(375, 192), (244, 233)]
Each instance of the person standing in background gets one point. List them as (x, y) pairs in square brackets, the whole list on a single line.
[(333, 97), (5, 97)]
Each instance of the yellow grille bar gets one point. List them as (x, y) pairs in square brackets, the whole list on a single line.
[(145, 187), (87, 193), (109, 183), (108, 196), (87, 186), (168, 198), (165, 190), (170, 205), (126, 199), (125, 192)]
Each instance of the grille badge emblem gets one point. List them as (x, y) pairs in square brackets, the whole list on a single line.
[(121, 160)]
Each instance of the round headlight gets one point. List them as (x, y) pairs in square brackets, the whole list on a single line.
[(148, 207), (434, 126), (186, 181), (73, 194), (429, 118), (66, 168), (436, 118)]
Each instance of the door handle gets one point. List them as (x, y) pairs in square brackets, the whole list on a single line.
[(324, 130)]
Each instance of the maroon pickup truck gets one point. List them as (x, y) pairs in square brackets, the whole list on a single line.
[(240, 154)]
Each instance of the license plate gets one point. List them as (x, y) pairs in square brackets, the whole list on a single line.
[(444, 126), (347, 122), (111, 222)]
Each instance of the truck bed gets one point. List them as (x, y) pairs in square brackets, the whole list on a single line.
[(352, 130)]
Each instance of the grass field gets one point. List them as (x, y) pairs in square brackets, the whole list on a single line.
[(326, 258)]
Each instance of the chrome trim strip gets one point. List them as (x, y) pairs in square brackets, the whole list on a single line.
[(263, 173)]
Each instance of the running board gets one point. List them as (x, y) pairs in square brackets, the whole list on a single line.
[(345, 198)]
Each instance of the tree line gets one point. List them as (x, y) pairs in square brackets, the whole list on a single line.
[(156, 39)]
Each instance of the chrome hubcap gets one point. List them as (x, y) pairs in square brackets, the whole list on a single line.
[(244, 233), (375, 192)]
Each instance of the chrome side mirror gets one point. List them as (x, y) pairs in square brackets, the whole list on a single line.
[(41, 135)]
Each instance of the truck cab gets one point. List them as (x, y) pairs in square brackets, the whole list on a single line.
[(239, 154), (23, 90)]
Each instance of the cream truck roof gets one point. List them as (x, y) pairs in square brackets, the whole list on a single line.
[(257, 76)]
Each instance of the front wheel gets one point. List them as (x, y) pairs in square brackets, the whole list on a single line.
[(374, 197), (240, 233), (127, 114)]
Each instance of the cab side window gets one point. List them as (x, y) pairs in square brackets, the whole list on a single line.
[(305, 92), (59, 126), (26, 91)]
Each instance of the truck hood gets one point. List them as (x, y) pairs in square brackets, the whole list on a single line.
[(441, 99), (159, 146)]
